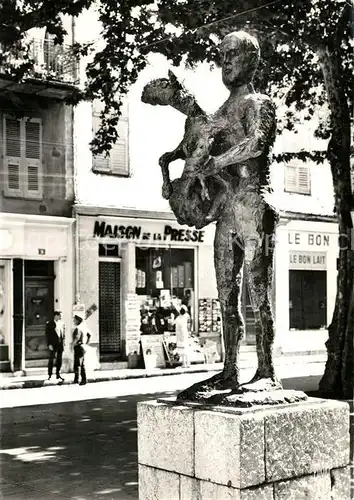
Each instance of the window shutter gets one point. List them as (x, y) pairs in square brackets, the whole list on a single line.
[(12, 157), (33, 155), (304, 179), (119, 152), (99, 162), (290, 178), (117, 161)]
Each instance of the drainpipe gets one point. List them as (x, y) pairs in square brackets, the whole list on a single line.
[(72, 30), (77, 265)]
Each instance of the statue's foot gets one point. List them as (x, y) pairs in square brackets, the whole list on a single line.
[(212, 390), (262, 391), (261, 383), (166, 190)]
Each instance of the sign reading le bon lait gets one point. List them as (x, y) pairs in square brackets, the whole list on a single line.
[(148, 232), (307, 260)]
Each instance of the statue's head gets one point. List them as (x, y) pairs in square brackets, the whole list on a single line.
[(162, 91), (240, 55)]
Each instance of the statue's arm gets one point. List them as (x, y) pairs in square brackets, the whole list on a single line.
[(259, 126)]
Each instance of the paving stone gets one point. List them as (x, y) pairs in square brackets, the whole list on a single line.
[(156, 484), (166, 437), (229, 448), (314, 487), (306, 438)]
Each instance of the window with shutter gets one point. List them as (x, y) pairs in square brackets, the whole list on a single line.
[(22, 158), (12, 157), (33, 146), (297, 179), (117, 163), (99, 162), (119, 153)]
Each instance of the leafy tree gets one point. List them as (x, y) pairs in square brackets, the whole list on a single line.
[(307, 58)]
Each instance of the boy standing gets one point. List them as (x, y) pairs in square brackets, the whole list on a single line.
[(81, 338)]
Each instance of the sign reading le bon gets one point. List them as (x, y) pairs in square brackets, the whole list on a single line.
[(130, 232)]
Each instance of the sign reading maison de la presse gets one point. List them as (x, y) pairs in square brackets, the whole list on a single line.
[(150, 232)]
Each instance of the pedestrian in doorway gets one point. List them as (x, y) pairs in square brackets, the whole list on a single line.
[(55, 333), (81, 338), (182, 335)]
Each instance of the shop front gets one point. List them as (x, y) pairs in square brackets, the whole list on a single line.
[(139, 269), (305, 283), (36, 278)]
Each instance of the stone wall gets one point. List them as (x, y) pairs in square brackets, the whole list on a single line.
[(294, 452)]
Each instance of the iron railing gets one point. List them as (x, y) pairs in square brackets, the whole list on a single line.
[(54, 62)]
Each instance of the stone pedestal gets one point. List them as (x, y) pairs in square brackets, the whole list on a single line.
[(291, 452)]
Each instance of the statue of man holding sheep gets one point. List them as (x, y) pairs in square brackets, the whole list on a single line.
[(225, 178)]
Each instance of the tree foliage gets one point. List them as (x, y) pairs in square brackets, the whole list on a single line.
[(307, 60)]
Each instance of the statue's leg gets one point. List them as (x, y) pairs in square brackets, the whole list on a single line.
[(164, 163), (228, 258), (259, 273), (166, 185)]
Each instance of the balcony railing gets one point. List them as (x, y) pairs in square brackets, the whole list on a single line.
[(54, 62)]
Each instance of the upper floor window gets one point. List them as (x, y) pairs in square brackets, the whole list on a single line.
[(297, 178), (117, 163), (22, 153)]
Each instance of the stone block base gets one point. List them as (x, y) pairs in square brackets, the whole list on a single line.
[(294, 452)]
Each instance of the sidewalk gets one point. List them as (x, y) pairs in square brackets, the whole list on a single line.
[(296, 365)]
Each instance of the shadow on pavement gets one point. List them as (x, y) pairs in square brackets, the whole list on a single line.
[(82, 450)]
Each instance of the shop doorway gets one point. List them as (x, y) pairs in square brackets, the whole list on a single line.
[(39, 308), (110, 310), (307, 299)]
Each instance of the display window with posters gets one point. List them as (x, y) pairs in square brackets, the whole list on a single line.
[(164, 282)]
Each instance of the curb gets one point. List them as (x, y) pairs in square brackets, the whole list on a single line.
[(10, 383), (31, 384)]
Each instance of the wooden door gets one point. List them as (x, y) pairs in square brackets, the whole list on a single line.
[(39, 303)]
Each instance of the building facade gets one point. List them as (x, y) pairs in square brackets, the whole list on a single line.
[(36, 225)]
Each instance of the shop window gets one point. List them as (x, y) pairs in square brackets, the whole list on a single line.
[(22, 157), (164, 281), (308, 303), (117, 162), (297, 178)]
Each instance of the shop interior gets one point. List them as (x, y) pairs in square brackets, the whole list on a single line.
[(164, 282)]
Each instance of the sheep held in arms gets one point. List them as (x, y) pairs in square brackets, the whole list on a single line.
[(200, 135)]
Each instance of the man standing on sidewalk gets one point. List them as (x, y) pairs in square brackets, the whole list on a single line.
[(55, 333)]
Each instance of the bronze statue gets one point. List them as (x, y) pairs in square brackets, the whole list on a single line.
[(225, 177)]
